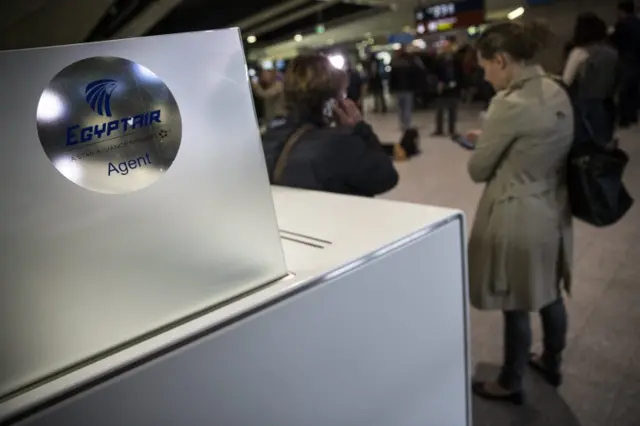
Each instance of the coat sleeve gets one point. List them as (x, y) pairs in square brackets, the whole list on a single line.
[(503, 125), (366, 168)]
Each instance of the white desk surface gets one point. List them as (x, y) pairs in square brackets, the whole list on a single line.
[(355, 226)]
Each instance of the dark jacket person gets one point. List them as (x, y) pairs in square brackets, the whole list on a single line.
[(323, 144)]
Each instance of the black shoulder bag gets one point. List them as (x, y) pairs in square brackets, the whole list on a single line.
[(283, 158), (594, 178)]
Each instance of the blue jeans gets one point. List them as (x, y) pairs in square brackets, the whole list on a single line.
[(405, 108)]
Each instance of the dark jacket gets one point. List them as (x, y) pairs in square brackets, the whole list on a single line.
[(450, 74), (598, 75), (626, 38), (354, 89), (339, 160), (406, 72)]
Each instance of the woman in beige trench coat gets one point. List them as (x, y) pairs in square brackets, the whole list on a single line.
[(520, 244)]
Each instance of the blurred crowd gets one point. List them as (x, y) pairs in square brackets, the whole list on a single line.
[(446, 76), (520, 247)]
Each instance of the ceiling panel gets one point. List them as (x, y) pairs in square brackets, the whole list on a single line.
[(36, 23), (120, 14), (13, 11), (334, 15), (198, 15), (559, 13)]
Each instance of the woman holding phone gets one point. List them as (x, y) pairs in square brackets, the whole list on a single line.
[(323, 143), (521, 241)]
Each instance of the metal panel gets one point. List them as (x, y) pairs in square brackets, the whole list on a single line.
[(86, 273), (382, 344)]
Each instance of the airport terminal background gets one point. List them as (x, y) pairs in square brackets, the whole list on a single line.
[(602, 369)]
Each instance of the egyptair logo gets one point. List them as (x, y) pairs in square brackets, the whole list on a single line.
[(98, 96)]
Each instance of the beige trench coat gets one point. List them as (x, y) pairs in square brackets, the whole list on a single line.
[(520, 248)]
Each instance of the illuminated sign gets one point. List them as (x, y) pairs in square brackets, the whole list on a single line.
[(447, 16), (109, 125)]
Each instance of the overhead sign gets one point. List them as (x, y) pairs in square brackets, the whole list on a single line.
[(401, 38), (109, 125), (449, 15)]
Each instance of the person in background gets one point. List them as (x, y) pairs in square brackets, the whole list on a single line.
[(566, 50), (450, 77), (521, 241), (430, 61), (468, 65), (626, 39), (342, 77), (421, 89), (357, 88), (591, 74), (270, 90), (376, 85), (406, 69), (324, 144)]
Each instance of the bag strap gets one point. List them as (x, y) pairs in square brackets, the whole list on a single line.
[(283, 158), (582, 117)]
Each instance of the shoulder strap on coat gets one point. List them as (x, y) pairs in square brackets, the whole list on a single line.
[(283, 158)]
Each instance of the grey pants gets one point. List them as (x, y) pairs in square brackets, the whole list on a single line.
[(517, 342), (405, 109), (448, 104)]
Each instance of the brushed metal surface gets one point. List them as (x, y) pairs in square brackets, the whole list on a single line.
[(309, 266), (109, 124), (83, 272), (398, 317)]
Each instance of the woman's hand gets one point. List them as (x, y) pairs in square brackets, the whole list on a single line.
[(347, 113), (473, 135)]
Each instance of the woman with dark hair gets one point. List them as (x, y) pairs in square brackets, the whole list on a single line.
[(521, 241), (591, 72), (323, 144)]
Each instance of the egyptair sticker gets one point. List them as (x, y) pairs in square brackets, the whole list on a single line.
[(109, 125)]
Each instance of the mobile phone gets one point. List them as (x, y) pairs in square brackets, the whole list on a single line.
[(327, 110), (465, 143)]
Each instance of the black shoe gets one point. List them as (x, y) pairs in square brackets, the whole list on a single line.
[(437, 134), (515, 397), (552, 377)]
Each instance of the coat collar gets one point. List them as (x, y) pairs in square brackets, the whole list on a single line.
[(527, 73)]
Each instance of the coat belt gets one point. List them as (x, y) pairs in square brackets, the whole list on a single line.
[(501, 284), (529, 189)]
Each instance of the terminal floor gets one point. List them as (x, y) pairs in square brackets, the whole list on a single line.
[(602, 384)]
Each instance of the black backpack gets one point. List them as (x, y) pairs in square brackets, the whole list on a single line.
[(410, 142), (594, 178), (409, 146)]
